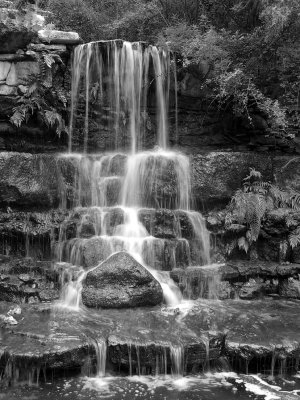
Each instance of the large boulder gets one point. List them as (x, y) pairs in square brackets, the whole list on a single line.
[(120, 282)]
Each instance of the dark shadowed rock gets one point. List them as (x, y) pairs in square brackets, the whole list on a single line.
[(119, 282), (28, 179)]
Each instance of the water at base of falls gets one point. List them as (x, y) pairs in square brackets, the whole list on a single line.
[(120, 191), (209, 386)]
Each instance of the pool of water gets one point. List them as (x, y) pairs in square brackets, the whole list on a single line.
[(219, 386)]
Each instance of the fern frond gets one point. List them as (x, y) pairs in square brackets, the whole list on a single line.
[(294, 201), (18, 117), (253, 175), (231, 246), (294, 238), (243, 244), (48, 59), (61, 96)]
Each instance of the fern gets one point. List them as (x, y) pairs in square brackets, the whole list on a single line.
[(41, 98), (55, 120), (250, 204), (243, 244), (294, 238), (231, 246)]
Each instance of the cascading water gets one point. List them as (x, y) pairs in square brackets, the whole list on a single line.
[(114, 191), (121, 70)]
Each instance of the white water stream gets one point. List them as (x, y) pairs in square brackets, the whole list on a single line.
[(152, 180)]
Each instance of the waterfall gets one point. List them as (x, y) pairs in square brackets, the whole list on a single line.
[(177, 360), (122, 71), (101, 350), (116, 79)]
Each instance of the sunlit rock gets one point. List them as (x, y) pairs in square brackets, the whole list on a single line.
[(4, 70), (7, 90), (58, 37)]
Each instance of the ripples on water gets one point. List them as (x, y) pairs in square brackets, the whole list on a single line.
[(219, 386)]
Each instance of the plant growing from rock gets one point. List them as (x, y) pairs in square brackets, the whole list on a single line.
[(249, 206), (41, 99)]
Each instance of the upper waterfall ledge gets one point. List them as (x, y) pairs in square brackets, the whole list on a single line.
[(40, 180)]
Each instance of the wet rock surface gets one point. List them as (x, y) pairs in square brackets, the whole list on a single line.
[(290, 288), (160, 254), (118, 282), (41, 179), (240, 278), (27, 281), (29, 233), (58, 338)]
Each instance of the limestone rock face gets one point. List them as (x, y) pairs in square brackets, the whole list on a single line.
[(120, 282), (21, 71), (4, 70), (6, 90)]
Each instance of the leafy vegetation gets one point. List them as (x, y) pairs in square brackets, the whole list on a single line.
[(244, 52), (250, 205), (248, 48), (40, 99)]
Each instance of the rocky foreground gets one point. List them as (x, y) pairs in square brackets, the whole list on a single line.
[(37, 340)]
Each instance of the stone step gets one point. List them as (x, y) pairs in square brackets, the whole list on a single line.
[(27, 346), (159, 254), (59, 37), (37, 230), (161, 223), (27, 281), (142, 341), (40, 180), (241, 279)]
